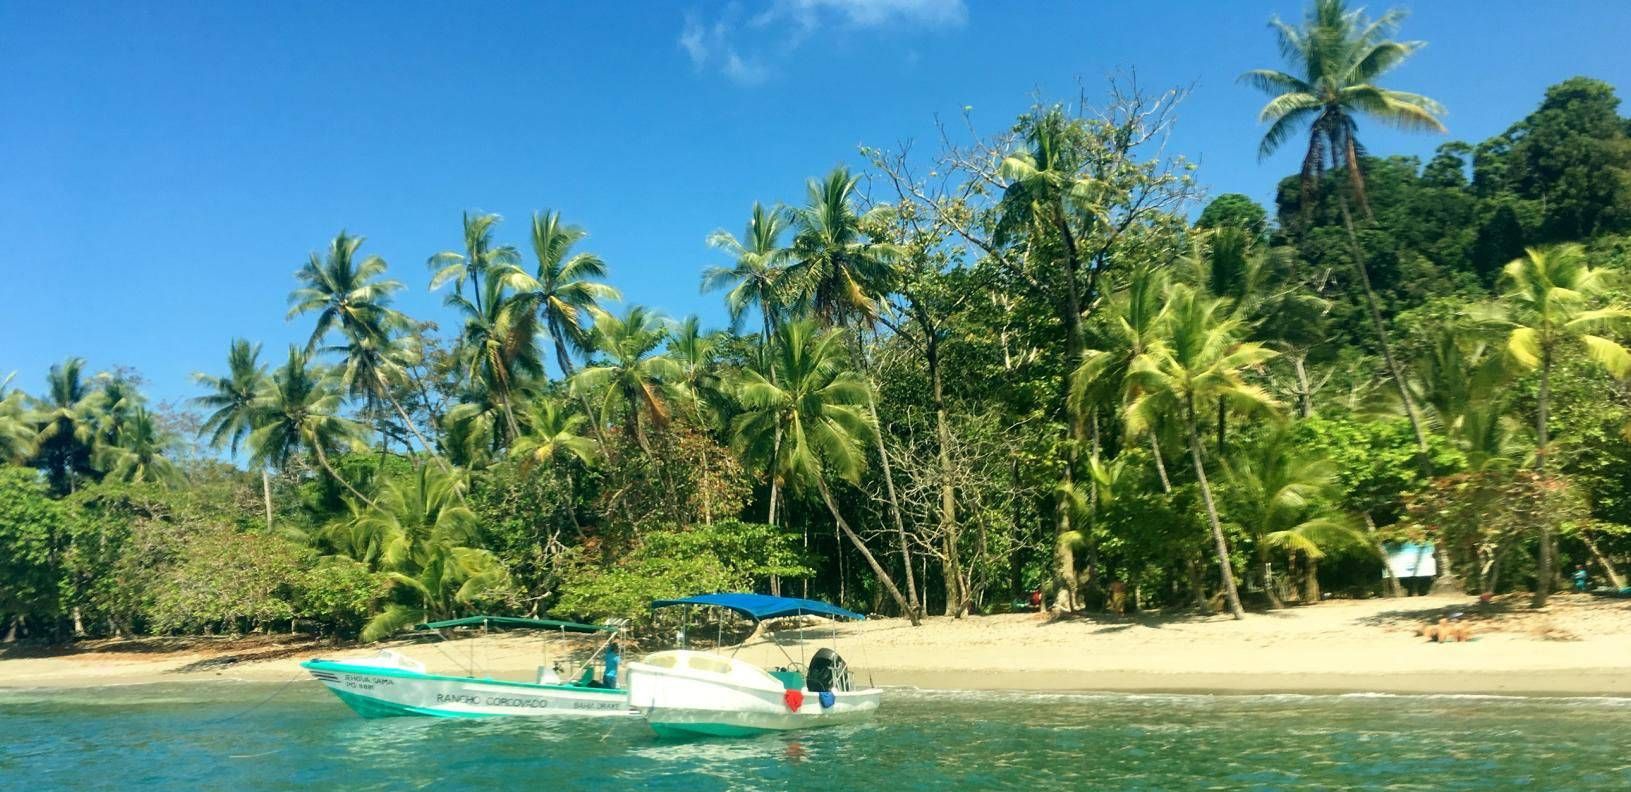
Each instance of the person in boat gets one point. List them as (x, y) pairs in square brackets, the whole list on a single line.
[(614, 658)]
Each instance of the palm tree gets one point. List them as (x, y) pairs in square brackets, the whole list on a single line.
[(298, 409), (233, 407), (1197, 357), (499, 345), (636, 381), (1130, 321), (552, 435), (351, 297), (809, 420), (480, 259), (16, 431), (566, 289), (423, 536), (756, 280), (1547, 308), (1340, 53), (1284, 500), (137, 452), (66, 424), (836, 271), (346, 294)]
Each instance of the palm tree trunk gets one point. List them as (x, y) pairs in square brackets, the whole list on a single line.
[(883, 577), (1614, 576), (1380, 327), (408, 422), (1546, 569), (1392, 582), (1221, 545), (1265, 570), (1160, 464), (889, 483), (266, 493), (322, 459)]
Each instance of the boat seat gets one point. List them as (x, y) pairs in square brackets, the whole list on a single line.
[(792, 680)]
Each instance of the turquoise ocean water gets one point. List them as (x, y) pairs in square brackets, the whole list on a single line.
[(220, 736)]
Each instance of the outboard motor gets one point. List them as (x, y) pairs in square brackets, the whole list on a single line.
[(828, 673)]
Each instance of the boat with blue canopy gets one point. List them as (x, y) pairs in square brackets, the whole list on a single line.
[(391, 683), (685, 693)]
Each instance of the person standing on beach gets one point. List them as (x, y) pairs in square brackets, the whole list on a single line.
[(1580, 577)]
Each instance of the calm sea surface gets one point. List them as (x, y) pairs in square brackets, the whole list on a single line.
[(220, 736)]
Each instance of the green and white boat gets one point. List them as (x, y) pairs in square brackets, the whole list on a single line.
[(391, 684), (684, 693)]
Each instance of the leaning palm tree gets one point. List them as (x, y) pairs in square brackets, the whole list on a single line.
[(637, 382), (298, 410), (1195, 359), (809, 421), (1339, 54), (231, 402), (422, 536), (837, 272), (354, 299), (756, 280), (566, 288), (137, 452), (480, 261), (1551, 305)]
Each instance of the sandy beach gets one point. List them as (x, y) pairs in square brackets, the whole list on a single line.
[(1578, 646)]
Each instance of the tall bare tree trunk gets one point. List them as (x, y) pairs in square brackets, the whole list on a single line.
[(1614, 576), (1380, 327), (877, 569), (894, 502), (1221, 545), (1546, 569), (266, 494), (955, 595)]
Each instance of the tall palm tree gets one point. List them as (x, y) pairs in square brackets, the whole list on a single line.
[(498, 345), (1339, 54), (699, 379), (1546, 309), (481, 259), (353, 298), (566, 288), (636, 381), (756, 279), (298, 410), (836, 271), (423, 536), (136, 454), (1196, 358), (232, 406), (811, 420), (66, 422)]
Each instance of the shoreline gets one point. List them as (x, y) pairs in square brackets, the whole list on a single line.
[(1579, 647)]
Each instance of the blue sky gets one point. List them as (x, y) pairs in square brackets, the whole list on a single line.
[(165, 167)]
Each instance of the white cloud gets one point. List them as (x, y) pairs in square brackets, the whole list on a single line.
[(782, 26)]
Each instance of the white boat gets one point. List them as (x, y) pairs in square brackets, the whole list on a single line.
[(689, 693), (391, 684)]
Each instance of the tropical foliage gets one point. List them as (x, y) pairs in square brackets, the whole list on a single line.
[(1030, 361)]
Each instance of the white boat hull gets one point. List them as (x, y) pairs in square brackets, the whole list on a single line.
[(731, 698), (376, 691)]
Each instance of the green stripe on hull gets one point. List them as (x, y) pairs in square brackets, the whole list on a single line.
[(370, 707), (706, 730)]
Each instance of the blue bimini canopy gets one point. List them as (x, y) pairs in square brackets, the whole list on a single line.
[(759, 607)]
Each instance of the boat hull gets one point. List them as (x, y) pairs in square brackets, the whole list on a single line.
[(683, 702), (375, 692)]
